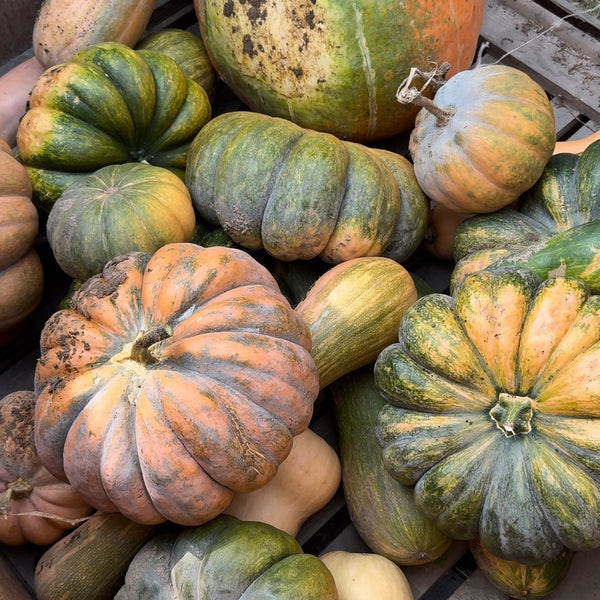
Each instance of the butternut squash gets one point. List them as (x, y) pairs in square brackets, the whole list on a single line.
[(576, 146)]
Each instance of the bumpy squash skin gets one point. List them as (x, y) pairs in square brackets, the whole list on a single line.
[(493, 415), (227, 558), (62, 27), (554, 230), (382, 510), (497, 138), (109, 104), (204, 368), (301, 194), (333, 66)]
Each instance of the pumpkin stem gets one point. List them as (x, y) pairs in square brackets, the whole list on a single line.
[(412, 95), (141, 349), (512, 414), (19, 488)]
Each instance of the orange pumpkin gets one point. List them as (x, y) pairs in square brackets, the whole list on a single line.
[(29, 494), (21, 271), (172, 382)]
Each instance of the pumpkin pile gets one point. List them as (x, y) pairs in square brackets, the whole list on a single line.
[(239, 270)]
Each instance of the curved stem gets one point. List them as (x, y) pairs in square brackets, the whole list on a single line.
[(140, 351)]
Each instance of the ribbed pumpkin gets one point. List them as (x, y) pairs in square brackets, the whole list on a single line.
[(29, 495), (21, 271), (116, 210), (555, 228), (484, 140), (173, 381), (109, 104), (302, 194), (227, 558), (493, 412), (332, 65)]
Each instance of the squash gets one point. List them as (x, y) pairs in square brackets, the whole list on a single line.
[(483, 140), (227, 558), (301, 194), (492, 412), (15, 87), (62, 27), (439, 236), (353, 311), (91, 561), (12, 586), (519, 580), (304, 483), (21, 270), (182, 370), (109, 104), (576, 146), (333, 67), (116, 210), (188, 51), (554, 229), (363, 576), (382, 510), (35, 507)]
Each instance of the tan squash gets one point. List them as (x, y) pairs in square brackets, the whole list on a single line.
[(63, 27), (439, 236), (305, 482), (365, 576), (576, 146)]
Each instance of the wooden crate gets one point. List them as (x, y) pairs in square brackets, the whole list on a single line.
[(561, 51)]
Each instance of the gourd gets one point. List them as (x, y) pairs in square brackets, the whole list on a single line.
[(35, 507), (576, 146), (483, 140), (21, 270), (91, 561), (439, 236), (62, 27), (382, 510), (115, 210), (331, 66), (554, 229), (227, 558), (109, 104), (519, 580), (182, 370), (302, 194), (304, 483), (492, 412), (15, 87), (188, 51), (362, 576), (353, 311)]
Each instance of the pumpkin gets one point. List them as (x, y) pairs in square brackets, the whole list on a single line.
[(333, 67), (116, 210), (492, 412), (91, 561), (483, 140), (15, 87), (353, 311), (439, 236), (302, 194), (109, 104), (227, 558), (363, 575), (519, 580), (21, 270), (62, 27), (188, 51), (35, 507), (555, 228), (304, 483), (173, 381)]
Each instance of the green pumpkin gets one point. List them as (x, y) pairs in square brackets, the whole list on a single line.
[(555, 230), (227, 559), (493, 412), (303, 194), (132, 207), (108, 104)]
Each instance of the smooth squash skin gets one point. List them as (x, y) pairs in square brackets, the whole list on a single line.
[(335, 66), (382, 510), (553, 230), (492, 412), (301, 194)]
